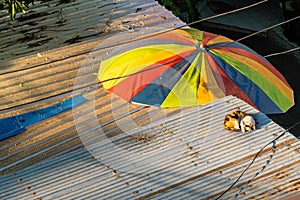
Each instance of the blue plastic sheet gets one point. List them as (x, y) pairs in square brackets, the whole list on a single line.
[(12, 126)]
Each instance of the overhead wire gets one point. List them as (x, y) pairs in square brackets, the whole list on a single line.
[(268, 28), (283, 52), (255, 157), (257, 32), (227, 13)]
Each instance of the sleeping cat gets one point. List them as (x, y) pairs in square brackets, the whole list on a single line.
[(239, 121)]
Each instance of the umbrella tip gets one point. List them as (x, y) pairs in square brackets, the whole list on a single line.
[(200, 47)]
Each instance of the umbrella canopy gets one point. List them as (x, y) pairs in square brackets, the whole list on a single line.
[(189, 67)]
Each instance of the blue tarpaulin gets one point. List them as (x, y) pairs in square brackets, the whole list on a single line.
[(11, 126)]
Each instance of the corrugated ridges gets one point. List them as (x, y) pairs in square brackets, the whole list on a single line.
[(176, 172), (32, 81)]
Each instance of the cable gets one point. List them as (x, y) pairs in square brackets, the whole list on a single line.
[(227, 13), (257, 154), (257, 32), (283, 52), (265, 29)]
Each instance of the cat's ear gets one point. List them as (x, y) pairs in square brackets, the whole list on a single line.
[(237, 109)]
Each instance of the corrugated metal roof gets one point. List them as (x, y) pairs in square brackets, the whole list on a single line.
[(36, 76), (186, 156), (106, 148)]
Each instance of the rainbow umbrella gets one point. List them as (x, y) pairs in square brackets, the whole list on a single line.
[(189, 67)]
